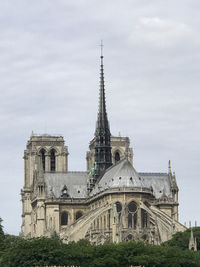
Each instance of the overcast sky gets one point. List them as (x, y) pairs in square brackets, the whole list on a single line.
[(49, 82)]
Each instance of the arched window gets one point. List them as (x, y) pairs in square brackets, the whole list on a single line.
[(132, 207), (118, 206), (117, 157), (143, 218), (64, 218), (78, 215), (53, 160), (119, 209), (42, 155), (132, 215)]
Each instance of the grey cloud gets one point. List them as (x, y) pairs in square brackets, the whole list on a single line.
[(49, 74)]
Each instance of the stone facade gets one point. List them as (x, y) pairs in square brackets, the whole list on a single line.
[(110, 202), (120, 149), (49, 149), (57, 202)]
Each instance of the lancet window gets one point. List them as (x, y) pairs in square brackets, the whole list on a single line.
[(64, 218), (42, 155), (53, 160), (132, 215), (144, 217), (117, 157)]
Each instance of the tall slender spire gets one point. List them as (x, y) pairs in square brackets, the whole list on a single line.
[(103, 157)]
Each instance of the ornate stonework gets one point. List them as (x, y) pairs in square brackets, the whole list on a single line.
[(103, 214), (110, 202)]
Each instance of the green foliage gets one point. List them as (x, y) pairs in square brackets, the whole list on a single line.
[(83, 242), (32, 252), (1, 228), (181, 239), (2, 237), (51, 251)]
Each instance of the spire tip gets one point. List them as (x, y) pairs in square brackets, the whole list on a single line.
[(101, 45)]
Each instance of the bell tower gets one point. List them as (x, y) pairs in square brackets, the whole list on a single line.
[(44, 153)]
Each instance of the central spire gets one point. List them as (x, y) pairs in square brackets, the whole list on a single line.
[(103, 157)]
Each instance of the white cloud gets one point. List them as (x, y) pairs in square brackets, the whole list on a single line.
[(162, 33)]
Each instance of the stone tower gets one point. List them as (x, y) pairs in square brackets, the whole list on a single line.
[(120, 149), (44, 153)]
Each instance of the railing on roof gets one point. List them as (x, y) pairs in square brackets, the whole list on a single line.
[(46, 134)]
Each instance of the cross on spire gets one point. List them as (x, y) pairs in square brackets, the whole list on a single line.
[(101, 45), (101, 48)]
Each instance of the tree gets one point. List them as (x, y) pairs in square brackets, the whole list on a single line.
[(1, 228), (2, 237), (51, 251), (181, 239), (34, 252)]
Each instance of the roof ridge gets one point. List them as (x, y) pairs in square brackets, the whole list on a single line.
[(112, 166), (61, 172), (154, 173), (77, 172)]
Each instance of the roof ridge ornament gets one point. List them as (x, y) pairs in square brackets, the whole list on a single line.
[(64, 192)]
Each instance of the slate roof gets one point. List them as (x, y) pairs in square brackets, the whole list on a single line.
[(158, 181), (76, 183), (121, 174)]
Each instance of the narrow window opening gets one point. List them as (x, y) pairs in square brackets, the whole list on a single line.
[(117, 157), (64, 218), (79, 214), (119, 210), (42, 154), (144, 218), (53, 160)]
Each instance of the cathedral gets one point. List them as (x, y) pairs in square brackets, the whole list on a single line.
[(109, 202)]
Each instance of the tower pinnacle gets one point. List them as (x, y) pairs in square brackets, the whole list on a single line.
[(169, 167), (103, 157), (192, 241)]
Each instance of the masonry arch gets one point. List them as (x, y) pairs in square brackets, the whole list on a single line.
[(117, 155)]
